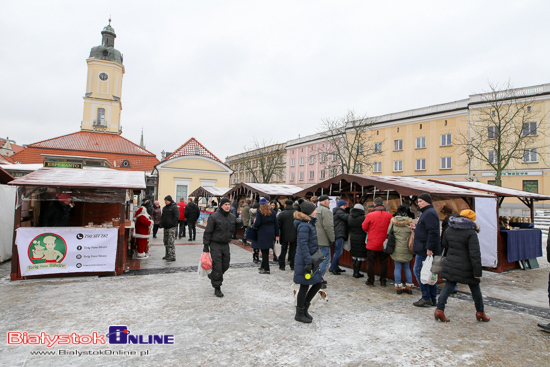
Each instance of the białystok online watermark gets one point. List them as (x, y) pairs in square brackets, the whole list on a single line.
[(101, 352)]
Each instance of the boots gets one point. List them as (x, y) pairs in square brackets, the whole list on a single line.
[(398, 288), (440, 315), (356, 269), (409, 288), (306, 307), (256, 256), (300, 316), (480, 316), (218, 292)]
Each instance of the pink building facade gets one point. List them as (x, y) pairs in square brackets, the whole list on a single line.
[(306, 164)]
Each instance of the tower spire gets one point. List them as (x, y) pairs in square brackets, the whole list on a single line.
[(142, 143)]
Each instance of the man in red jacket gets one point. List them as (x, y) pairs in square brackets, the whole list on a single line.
[(182, 223), (376, 225)]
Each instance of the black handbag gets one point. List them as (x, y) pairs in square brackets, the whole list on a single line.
[(438, 262), (389, 242), (317, 258)]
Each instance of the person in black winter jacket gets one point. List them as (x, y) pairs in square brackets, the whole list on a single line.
[(268, 232), (357, 238), (462, 262), (192, 214), (216, 238), (426, 243), (169, 221), (287, 235), (340, 218)]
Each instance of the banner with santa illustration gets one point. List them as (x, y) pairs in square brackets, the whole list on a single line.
[(48, 250)]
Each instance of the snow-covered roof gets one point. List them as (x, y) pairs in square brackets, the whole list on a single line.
[(83, 178), (208, 191), (500, 191), (266, 189)]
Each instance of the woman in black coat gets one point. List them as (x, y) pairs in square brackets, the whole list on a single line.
[(357, 238), (268, 231), (462, 262)]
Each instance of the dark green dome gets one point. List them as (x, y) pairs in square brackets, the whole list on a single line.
[(107, 51)]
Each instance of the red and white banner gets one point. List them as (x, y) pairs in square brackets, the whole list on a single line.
[(48, 250)]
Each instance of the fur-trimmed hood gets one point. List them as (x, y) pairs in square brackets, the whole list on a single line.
[(401, 221), (301, 216), (459, 222)]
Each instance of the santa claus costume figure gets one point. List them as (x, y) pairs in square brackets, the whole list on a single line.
[(143, 230)]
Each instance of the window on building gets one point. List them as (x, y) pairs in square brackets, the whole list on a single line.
[(292, 162), (397, 166), (358, 169), (311, 159), (100, 117), (421, 164), (530, 128), (291, 176), (181, 192), (492, 157), (421, 142), (311, 175), (322, 174), (378, 147), (334, 172), (446, 140), (492, 182), (531, 186), (334, 157), (492, 132), (301, 176), (323, 157), (446, 163), (377, 167), (398, 145), (530, 156), (528, 108), (301, 161), (360, 149)]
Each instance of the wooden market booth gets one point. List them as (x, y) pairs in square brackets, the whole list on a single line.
[(100, 227), (207, 192), (394, 190), (518, 247)]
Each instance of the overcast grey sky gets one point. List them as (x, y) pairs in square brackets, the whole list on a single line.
[(226, 72)]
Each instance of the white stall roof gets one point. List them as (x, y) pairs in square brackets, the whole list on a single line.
[(83, 178), (267, 189), (497, 190)]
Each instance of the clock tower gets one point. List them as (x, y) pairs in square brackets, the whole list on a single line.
[(102, 104)]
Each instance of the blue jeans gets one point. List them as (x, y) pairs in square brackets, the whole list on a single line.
[(338, 250), (428, 291), (448, 288), (324, 265), (397, 272)]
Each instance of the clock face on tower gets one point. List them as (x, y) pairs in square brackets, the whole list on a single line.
[(103, 76)]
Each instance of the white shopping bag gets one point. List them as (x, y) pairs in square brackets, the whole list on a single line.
[(426, 275), (277, 248)]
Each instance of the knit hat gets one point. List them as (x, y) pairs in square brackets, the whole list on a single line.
[(323, 197), (169, 198), (359, 206), (342, 202), (263, 201), (224, 200), (307, 207), (470, 214), (156, 203), (288, 202), (446, 210), (426, 197)]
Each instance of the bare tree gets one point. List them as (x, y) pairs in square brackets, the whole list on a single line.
[(506, 129), (349, 143), (265, 162)]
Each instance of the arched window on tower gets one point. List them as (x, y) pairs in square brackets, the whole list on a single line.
[(100, 117)]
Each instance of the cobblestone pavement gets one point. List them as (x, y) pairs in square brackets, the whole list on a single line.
[(253, 324)]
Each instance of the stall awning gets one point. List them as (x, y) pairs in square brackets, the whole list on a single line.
[(497, 190), (361, 184), (265, 189), (209, 191), (102, 178)]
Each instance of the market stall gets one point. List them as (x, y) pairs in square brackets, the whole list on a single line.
[(207, 192), (363, 189), (254, 191), (78, 221), (7, 203), (519, 243)]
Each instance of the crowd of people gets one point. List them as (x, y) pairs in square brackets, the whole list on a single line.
[(306, 230)]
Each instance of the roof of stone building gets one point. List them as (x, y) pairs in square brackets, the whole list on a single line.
[(193, 147), (112, 147)]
